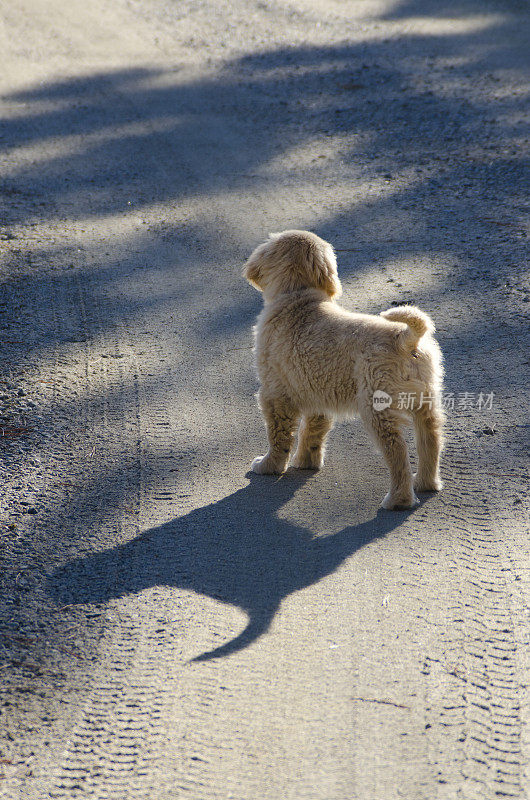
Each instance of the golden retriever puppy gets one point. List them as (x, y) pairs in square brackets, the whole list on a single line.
[(317, 362)]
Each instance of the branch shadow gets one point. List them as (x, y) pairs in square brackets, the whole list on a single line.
[(124, 140)]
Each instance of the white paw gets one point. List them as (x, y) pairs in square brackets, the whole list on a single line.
[(392, 502), (262, 466)]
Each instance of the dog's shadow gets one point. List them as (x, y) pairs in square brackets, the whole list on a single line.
[(236, 550)]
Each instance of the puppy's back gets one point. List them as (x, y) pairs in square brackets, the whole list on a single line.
[(307, 348)]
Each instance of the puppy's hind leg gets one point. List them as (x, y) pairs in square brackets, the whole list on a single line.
[(312, 436), (385, 429), (428, 431), (280, 418)]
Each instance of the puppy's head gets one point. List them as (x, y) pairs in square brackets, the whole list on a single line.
[(290, 261)]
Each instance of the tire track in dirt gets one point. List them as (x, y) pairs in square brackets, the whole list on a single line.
[(122, 724), (87, 437), (110, 751), (480, 701)]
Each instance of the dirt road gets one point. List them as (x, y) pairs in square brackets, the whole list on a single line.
[(171, 626)]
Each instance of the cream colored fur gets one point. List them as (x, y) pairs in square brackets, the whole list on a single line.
[(317, 362)]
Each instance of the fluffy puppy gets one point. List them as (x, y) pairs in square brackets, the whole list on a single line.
[(317, 362)]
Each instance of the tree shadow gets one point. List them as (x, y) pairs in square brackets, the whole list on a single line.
[(451, 10), (159, 144), (142, 137), (237, 550), (124, 140)]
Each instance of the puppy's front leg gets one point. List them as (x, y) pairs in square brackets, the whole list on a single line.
[(281, 418), (311, 441)]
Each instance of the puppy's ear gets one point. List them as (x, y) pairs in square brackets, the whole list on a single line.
[(252, 270), (324, 268)]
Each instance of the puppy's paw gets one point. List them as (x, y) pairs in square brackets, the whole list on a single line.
[(308, 460), (426, 484), (263, 465), (395, 502)]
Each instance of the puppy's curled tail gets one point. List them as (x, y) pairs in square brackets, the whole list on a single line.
[(417, 321)]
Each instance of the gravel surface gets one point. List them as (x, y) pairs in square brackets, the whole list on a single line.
[(170, 625)]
